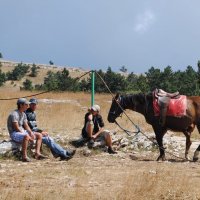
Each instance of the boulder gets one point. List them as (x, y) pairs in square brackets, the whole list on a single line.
[(8, 145)]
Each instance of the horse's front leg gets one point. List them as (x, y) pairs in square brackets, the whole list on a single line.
[(188, 144), (159, 138)]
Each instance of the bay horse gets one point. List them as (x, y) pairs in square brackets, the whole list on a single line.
[(143, 104)]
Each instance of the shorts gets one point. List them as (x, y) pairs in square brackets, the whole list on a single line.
[(18, 136), (102, 137)]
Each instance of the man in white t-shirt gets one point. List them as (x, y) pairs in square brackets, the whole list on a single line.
[(20, 132)]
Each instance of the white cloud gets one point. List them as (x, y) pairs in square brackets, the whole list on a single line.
[(144, 21)]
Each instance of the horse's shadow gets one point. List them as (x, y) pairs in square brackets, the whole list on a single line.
[(171, 160)]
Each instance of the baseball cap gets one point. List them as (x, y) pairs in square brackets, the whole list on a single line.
[(95, 108), (22, 101), (33, 101)]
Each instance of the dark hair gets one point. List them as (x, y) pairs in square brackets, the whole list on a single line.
[(18, 105)]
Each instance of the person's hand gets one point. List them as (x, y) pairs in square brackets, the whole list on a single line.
[(32, 136), (44, 133), (94, 137)]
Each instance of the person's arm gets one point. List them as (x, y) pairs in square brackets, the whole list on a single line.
[(31, 117), (16, 126), (101, 125), (26, 127), (97, 134), (90, 126), (32, 123), (90, 117), (44, 133)]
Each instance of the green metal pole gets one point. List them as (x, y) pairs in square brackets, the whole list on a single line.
[(92, 89)]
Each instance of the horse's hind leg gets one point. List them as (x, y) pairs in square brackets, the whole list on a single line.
[(188, 143), (197, 151), (196, 154)]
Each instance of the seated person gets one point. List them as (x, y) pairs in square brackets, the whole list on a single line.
[(55, 148), (93, 128), (20, 132)]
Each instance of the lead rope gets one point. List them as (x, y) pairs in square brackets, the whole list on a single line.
[(127, 131), (44, 92)]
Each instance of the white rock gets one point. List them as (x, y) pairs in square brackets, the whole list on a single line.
[(6, 146), (87, 152)]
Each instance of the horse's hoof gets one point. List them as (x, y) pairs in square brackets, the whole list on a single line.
[(161, 158), (196, 155), (187, 158), (195, 159)]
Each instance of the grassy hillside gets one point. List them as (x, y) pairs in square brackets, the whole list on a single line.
[(42, 72)]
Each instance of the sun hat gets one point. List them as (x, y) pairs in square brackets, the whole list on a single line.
[(95, 108)]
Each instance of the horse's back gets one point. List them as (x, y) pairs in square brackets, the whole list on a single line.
[(193, 106), (189, 120), (194, 101), (194, 98)]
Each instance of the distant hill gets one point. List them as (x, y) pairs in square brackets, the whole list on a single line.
[(42, 72)]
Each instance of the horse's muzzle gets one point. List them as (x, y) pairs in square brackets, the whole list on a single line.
[(111, 118)]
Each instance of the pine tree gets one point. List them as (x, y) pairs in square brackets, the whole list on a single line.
[(34, 71)]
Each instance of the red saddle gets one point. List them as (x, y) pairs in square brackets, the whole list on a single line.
[(176, 107)]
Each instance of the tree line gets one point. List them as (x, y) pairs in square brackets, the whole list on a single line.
[(186, 82)]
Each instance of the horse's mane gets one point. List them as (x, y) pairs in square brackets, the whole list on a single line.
[(136, 95), (128, 99)]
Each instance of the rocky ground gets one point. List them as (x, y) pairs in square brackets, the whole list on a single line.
[(133, 173)]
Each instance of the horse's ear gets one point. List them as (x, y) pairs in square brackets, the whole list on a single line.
[(117, 96)]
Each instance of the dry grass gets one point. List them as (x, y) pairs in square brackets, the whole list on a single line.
[(52, 116), (99, 176), (161, 182)]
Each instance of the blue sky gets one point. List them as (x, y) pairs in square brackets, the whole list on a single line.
[(95, 34)]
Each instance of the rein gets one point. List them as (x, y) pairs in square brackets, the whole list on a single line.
[(127, 131), (123, 111)]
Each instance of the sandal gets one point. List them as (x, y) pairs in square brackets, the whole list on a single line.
[(40, 157), (27, 159)]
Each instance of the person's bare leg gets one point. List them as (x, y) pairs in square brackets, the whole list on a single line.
[(38, 144), (89, 130), (108, 140), (24, 146)]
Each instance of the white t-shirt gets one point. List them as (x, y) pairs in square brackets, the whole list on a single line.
[(16, 116)]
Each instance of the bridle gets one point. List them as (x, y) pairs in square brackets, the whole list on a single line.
[(119, 106)]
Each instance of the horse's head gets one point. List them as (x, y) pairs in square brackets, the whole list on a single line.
[(115, 109)]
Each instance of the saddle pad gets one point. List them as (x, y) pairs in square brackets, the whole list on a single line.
[(177, 107)]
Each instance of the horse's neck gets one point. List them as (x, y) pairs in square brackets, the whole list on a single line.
[(131, 102)]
